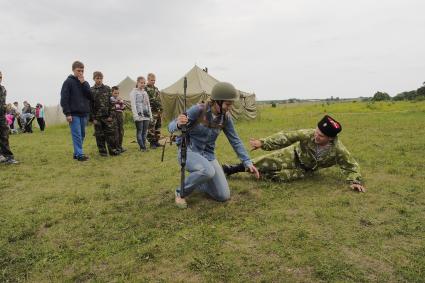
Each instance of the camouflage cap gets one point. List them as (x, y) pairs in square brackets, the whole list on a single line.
[(224, 91)]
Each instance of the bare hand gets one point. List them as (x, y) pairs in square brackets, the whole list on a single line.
[(253, 170), (81, 78), (109, 119), (255, 144), (69, 119), (94, 122), (182, 120), (358, 187)]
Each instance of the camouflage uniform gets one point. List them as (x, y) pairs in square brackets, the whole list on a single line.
[(298, 155), (101, 109), (154, 131), (4, 129)]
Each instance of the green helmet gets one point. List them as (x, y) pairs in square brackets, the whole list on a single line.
[(224, 91)]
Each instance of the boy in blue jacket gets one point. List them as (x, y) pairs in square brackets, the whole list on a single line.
[(75, 102)]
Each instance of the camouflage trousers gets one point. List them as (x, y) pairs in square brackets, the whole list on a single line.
[(4, 139), (280, 166), (104, 132), (119, 132), (154, 130)]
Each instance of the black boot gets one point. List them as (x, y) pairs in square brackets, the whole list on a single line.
[(233, 169)]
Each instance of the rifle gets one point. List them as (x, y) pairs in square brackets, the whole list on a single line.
[(183, 148)]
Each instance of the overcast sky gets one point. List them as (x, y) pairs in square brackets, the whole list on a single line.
[(277, 49)]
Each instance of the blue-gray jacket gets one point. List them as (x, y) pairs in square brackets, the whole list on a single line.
[(202, 138)]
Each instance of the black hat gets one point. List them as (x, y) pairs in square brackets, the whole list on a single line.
[(329, 126)]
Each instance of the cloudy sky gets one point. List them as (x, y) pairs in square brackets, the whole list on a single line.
[(277, 49)]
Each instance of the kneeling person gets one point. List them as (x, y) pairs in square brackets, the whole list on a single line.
[(299, 153), (204, 124)]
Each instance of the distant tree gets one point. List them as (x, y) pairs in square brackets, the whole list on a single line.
[(381, 96), (274, 104), (420, 92), (405, 95)]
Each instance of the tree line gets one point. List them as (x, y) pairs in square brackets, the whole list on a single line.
[(418, 94)]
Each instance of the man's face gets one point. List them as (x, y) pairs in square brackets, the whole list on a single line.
[(78, 72), (98, 80), (115, 93), (320, 138), (151, 81)]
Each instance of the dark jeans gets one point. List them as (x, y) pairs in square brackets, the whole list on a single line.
[(28, 124), (41, 123), (142, 129), (12, 126)]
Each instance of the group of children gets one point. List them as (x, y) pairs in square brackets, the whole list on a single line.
[(108, 119), (106, 112), (25, 117)]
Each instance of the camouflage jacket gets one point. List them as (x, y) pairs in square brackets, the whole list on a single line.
[(306, 150), (101, 105), (154, 98), (3, 94)]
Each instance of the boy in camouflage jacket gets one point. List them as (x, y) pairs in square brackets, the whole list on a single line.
[(102, 111), (154, 131)]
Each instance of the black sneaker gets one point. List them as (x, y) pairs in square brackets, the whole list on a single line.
[(123, 150), (82, 158), (115, 153), (104, 154)]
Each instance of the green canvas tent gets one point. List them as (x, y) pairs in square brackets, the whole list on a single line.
[(199, 86), (126, 86)]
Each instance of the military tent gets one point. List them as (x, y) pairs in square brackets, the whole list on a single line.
[(126, 86), (53, 115), (199, 86)]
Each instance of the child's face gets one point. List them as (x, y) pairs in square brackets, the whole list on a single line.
[(98, 80), (141, 84), (115, 93), (78, 72), (151, 81)]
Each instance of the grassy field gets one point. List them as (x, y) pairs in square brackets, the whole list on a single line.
[(114, 219)]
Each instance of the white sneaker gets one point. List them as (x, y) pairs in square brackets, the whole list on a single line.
[(180, 202)]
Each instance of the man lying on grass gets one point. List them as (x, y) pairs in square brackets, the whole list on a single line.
[(299, 153)]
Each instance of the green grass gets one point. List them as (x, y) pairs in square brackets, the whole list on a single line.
[(113, 219)]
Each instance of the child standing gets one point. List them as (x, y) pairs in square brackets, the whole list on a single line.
[(141, 109), (119, 106), (39, 114)]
